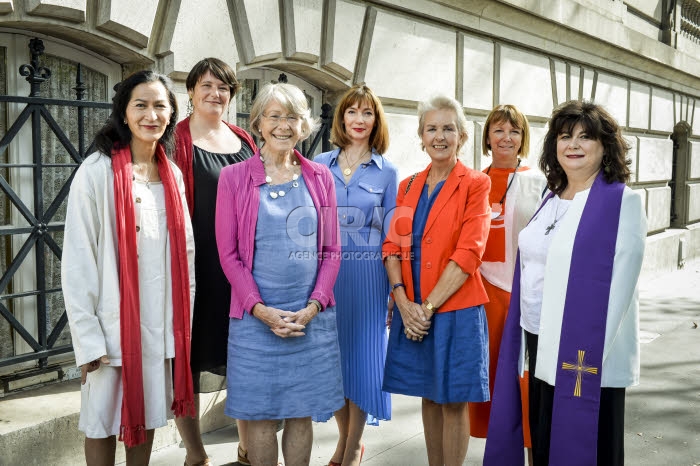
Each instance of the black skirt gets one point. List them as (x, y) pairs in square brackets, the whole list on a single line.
[(611, 420)]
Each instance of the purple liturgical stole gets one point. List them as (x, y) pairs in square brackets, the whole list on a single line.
[(574, 434)]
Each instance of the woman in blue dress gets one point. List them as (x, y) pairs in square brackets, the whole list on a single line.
[(439, 343), (278, 240), (365, 185)]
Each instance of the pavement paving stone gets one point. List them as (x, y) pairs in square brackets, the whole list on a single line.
[(663, 412)]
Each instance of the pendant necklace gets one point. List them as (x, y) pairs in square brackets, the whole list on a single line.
[(551, 227), (348, 170), (280, 192), (148, 176)]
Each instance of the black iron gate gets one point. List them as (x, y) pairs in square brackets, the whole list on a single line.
[(40, 221)]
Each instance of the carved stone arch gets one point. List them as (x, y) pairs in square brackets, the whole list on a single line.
[(320, 77), (103, 45)]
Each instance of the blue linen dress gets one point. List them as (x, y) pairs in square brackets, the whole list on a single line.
[(451, 364), (269, 377), (365, 206)]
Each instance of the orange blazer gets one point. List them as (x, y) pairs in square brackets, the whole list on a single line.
[(456, 229)]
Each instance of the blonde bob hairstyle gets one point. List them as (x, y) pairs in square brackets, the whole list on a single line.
[(443, 102), (288, 96), (360, 94), (507, 114)]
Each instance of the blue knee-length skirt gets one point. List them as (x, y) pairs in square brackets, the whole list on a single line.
[(450, 365), (269, 377)]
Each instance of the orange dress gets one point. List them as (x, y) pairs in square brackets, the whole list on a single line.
[(497, 307)]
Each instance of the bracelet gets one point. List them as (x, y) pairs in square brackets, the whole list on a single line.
[(315, 303), (399, 284)]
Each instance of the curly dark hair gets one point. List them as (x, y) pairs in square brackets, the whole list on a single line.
[(600, 126), (116, 133)]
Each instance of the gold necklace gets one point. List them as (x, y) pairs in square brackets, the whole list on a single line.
[(348, 170)]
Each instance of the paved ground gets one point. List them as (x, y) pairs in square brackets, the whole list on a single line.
[(663, 412)]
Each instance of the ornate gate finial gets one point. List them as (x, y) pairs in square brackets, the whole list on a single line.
[(34, 73), (80, 86)]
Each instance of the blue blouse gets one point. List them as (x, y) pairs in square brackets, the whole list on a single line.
[(366, 202), (425, 203)]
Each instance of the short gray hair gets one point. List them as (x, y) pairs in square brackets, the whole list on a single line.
[(443, 102), (290, 97)]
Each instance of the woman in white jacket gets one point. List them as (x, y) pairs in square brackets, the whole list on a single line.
[(516, 191), (127, 275), (575, 304)]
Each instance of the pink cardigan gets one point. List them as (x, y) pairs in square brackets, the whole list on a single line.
[(183, 154), (237, 202)]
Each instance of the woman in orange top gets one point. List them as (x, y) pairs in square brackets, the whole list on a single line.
[(515, 194), (438, 344)]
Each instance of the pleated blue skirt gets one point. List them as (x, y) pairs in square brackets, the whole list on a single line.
[(450, 365), (361, 292)]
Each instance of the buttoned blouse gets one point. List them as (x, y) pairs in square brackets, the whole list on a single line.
[(367, 200)]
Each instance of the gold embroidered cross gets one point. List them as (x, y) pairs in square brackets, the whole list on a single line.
[(580, 367)]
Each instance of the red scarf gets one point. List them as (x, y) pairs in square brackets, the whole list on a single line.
[(132, 430), (183, 154)]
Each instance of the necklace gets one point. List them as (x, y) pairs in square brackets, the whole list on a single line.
[(148, 176), (274, 194), (557, 217), (348, 170)]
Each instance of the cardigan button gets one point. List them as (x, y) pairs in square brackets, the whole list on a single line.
[(428, 240), (428, 265), (138, 200), (138, 228)]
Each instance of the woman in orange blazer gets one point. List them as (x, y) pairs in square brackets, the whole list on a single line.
[(438, 344)]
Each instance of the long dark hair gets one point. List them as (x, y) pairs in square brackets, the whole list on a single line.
[(117, 133), (600, 126)]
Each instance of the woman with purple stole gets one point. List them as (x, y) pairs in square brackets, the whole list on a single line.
[(574, 303)]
